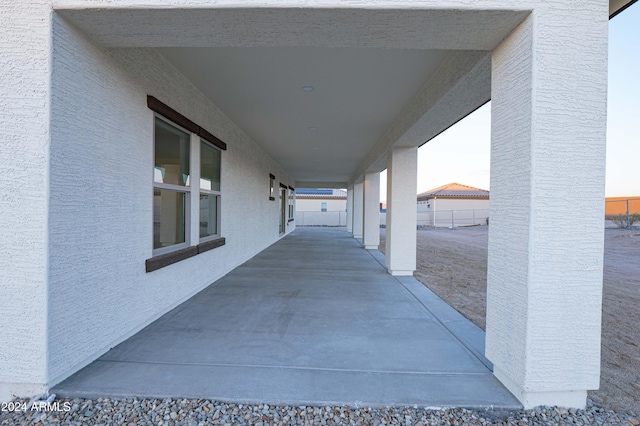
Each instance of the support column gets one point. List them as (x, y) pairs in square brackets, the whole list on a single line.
[(25, 129), (358, 199), (544, 285), (371, 216), (402, 176), (350, 209)]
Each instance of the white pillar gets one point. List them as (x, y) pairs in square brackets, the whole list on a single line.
[(402, 176), (371, 214), (358, 199), (25, 126), (350, 209), (544, 286)]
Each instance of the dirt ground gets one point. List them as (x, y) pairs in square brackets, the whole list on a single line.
[(453, 264)]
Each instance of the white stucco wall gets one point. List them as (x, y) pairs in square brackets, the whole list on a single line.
[(101, 198), (544, 285), (24, 167), (315, 204), (452, 204), (448, 212)]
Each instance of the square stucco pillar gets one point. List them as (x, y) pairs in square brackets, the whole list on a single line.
[(358, 207), (400, 245), (25, 107), (350, 209), (371, 214), (544, 281)]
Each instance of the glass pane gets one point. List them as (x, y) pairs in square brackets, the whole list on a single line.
[(209, 167), (171, 155), (208, 215), (168, 218)]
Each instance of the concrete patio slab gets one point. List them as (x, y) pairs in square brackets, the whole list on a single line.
[(314, 320)]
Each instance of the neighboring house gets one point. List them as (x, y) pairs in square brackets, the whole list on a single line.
[(321, 207), (325, 200), (453, 205), (149, 147)]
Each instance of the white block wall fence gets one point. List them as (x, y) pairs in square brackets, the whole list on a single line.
[(77, 160)]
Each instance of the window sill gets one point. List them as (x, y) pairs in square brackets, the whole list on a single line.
[(272, 199), (158, 262)]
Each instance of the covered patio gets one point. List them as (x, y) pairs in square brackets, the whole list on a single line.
[(314, 319)]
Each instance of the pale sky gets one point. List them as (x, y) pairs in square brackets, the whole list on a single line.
[(462, 153)]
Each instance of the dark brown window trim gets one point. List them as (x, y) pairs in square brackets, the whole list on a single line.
[(211, 138), (282, 185), (173, 115), (167, 259), (170, 113), (210, 245), (272, 198), (291, 220), (292, 188), (271, 176), (158, 262)]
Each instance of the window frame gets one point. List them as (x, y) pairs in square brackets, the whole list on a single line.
[(291, 204), (186, 190), (218, 194), (272, 187), (166, 256)]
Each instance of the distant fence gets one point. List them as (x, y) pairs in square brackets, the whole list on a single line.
[(329, 219), (449, 218), (442, 219), (619, 213), (622, 213)]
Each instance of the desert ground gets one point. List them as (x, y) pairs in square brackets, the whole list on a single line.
[(453, 264)]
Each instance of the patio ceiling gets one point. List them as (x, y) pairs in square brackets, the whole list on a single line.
[(317, 135), (379, 77)]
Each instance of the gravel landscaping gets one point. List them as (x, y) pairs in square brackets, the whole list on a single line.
[(202, 412)]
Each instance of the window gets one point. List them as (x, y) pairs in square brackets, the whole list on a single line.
[(209, 191), (272, 180), (291, 201), (170, 186), (323, 207), (186, 196)]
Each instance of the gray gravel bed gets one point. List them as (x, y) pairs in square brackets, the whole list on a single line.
[(196, 412)]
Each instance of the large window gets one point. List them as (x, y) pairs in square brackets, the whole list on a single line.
[(170, 186), (209, 191), (186, 193)]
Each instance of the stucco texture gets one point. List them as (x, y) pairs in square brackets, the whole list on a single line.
[(24, 164), (101, 197), (547, 161)]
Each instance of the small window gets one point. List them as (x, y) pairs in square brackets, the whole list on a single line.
[(209, 191), (291, 203), (272, 180), (323, 207), (171, 185)]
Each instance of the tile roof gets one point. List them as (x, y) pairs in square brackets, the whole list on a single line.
[(454, 190), (318, 193)]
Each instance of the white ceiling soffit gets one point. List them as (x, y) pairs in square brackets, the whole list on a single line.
[(365, 66), (406, 28)]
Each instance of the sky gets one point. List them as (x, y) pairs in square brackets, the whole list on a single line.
[(462, 153)]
